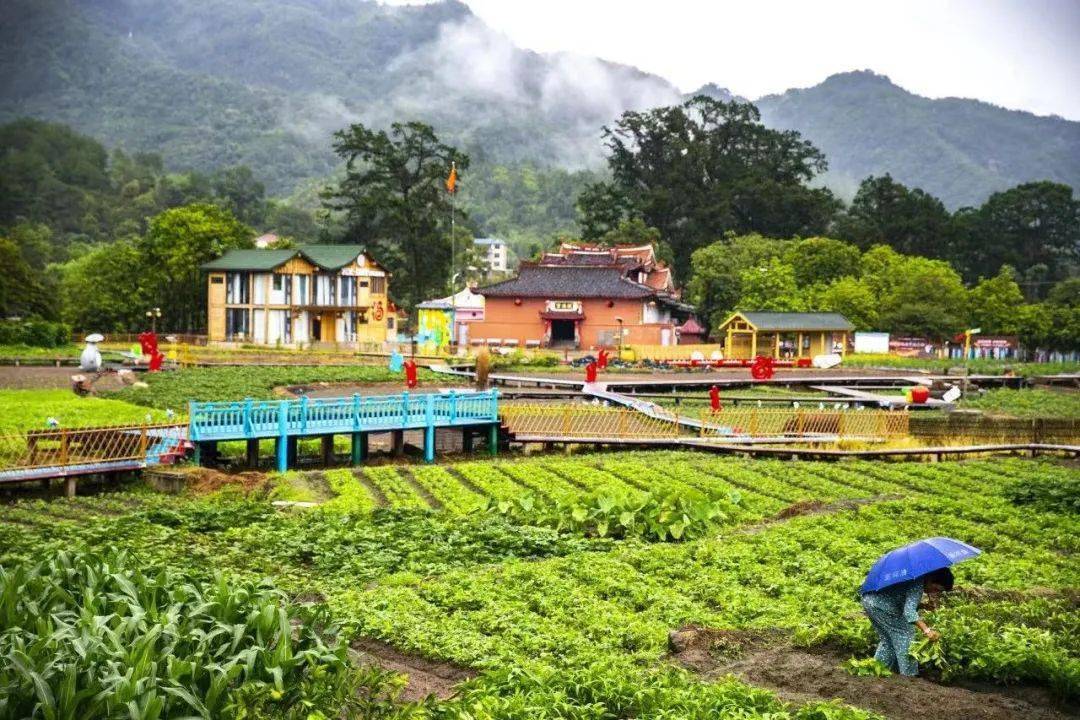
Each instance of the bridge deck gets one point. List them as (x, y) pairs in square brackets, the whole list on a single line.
[(286, 420)]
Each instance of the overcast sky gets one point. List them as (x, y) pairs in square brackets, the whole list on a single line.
[(1022, 54)]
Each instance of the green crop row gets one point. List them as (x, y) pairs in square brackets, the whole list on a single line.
[(176, 388), (565, 624)]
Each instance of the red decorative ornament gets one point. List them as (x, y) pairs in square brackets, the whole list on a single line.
[(611, 303), (517, 301), (378, 311)]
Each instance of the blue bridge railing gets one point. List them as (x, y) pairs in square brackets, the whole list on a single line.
[(284, 419)]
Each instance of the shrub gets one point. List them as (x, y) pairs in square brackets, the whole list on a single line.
[(35, 333)]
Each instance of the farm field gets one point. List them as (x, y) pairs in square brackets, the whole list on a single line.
[(978, 366), (553, 582), (1036, 402), (176, 389), (22, 410)]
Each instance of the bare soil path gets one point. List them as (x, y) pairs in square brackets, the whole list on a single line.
[(425, 677), (800, 675)]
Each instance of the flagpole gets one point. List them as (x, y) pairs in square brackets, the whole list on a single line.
[(453, 259)]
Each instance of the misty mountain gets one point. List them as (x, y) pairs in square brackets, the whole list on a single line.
[(266, 82)]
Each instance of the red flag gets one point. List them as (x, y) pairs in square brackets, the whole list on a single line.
[(451, 182)]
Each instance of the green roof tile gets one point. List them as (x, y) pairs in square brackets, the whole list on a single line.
[(792, 321), (250, 260), (331, 257), (327, 257)]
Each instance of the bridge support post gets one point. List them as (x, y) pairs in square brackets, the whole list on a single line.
[(493, 439), (327, 450), (429, 444), (253, 453), (359, 447), (429, 429), (69, 486), (466, 439), (281, 446), (206, 453), (398, 441)]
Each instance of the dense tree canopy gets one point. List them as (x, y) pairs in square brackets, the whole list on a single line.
[(880, 289), (102, 289), (173, 250), (697, 170), (393, 200), (52, 176), (715, 282), (1030, 227), (908, 220)]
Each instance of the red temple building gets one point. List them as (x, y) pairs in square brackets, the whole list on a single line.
[(584, 296)]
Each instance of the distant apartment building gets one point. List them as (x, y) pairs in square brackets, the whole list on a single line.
[(308, 294), (495, 253)]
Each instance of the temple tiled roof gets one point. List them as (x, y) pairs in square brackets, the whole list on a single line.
[(568, 282)]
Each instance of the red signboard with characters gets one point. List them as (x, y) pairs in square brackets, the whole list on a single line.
[(995, 342)]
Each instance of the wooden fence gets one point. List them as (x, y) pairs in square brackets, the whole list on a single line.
[(41, 454), (959, 429), (595, 422)]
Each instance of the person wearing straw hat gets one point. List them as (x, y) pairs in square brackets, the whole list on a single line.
[(893, 589)]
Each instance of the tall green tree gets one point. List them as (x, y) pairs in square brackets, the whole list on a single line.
[(1031, 226), (822, 260), (927, 298), (1065, 293), (995, 302), (853, 299), (24, 291), (908, 220), (698, 170), (393, 200), (715, 282), (238, 190), (771, 287), (102, 289), (178, 242)]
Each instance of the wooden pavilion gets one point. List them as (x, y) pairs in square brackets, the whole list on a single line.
[(784, 335)]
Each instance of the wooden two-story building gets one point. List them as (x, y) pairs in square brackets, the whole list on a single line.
[(303, 295)]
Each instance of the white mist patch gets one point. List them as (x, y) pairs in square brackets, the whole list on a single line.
[(317, 117), (471, 58), (577, 81)]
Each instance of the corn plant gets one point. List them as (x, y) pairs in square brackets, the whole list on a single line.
[(96, 636)]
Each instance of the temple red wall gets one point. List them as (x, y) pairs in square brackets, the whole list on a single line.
[(503, 319)]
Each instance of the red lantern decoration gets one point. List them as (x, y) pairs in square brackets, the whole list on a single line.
[(517, 301)]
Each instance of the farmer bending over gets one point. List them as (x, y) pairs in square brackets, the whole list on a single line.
[(894, 609)]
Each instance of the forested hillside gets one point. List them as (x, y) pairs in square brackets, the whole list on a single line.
[(958, 150), (265, 82)]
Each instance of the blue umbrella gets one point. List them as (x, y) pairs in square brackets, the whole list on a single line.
[(915, 560)]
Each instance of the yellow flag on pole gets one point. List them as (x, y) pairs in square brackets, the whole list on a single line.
[(451, 181)]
